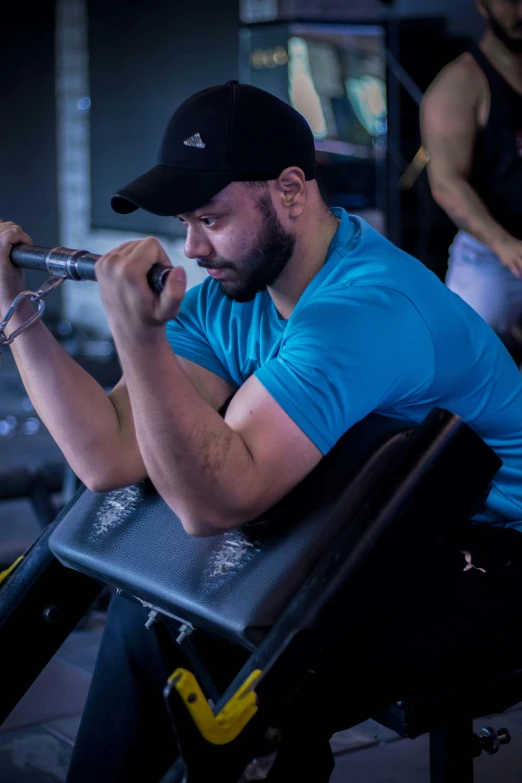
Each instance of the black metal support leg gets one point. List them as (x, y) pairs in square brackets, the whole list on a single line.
[(451, 752), (41, 602)]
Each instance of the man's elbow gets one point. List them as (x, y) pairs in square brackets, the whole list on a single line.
[(205, 525), (198, 529), (440, 197), (199, 526), (204, 522), (97, 483), (105, 480), (442, 190)]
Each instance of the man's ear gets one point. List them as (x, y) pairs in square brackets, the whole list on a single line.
[(291, 189)]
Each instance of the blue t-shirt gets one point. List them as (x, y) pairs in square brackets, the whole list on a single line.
[(375, 330)]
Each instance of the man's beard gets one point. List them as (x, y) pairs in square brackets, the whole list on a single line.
[(264, 264), (513, 44)]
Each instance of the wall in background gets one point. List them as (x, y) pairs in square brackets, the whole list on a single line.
[(28, 169), (122, 68), (144, 60), (82, 303)]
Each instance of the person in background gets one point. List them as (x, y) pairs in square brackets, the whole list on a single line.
[(471, 121)]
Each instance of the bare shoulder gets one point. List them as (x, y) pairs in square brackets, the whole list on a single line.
[(462, 80)]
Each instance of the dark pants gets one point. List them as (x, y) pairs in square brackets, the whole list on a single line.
[(464, 625)]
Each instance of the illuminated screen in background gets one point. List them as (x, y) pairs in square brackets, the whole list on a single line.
[(337, 82)]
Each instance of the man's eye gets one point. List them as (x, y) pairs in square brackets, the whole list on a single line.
[(208, 221)]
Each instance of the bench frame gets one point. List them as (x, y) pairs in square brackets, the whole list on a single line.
[(439, 475)]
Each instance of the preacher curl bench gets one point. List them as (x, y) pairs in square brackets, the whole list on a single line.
[(284, 588)]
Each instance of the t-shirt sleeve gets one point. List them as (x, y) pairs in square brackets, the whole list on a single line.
[(344, 357), (187, 333)]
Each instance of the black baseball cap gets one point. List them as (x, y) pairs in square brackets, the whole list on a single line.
[(230, 133)]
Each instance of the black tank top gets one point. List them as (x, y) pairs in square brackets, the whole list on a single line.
[(497, 169)]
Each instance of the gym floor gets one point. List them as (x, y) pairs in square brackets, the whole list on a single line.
[(37, 739)]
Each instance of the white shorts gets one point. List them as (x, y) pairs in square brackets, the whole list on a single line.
[(478, 276)]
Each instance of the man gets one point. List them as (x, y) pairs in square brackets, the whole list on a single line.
[(471, 121), (309, 320)]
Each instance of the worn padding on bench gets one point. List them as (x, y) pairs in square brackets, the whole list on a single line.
[(241, 580)]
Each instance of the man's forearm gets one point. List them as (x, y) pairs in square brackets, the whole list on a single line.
[(467, 210), (197, 462), (73, 406)]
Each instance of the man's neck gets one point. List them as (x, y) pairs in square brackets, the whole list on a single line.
[(500, 56), (307, 260)]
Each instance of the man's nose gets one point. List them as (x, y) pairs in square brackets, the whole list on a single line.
[(197, 245)]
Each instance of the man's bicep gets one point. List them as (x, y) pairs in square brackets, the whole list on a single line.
[(282, 454), (449, 128), (214, 389)]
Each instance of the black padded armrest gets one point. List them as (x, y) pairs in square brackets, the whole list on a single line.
[(239, 582)]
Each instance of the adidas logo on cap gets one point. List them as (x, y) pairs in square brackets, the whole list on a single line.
[(195, 141)]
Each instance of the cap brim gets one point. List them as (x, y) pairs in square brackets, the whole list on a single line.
[(166, 190)]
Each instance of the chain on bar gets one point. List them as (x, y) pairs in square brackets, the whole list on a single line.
[(34, 296)]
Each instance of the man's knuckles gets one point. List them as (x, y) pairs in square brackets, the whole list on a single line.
[(175, 285), (9, 229)]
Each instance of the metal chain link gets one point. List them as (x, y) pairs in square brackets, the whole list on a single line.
[(34, 296)]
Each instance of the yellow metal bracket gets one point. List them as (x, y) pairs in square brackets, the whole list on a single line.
[(415, 168), (9, 571), (228, 724)]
